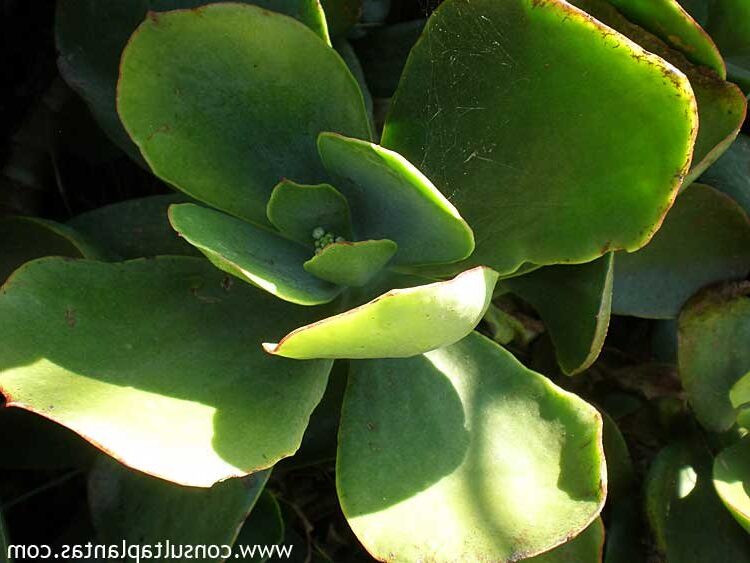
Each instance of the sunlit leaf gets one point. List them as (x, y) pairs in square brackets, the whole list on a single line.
[(732, 479), (397, 324), (467, 441), (574, 303), (688, 520), (253, 254), (586, 547), (230, 146), (523, 113), (351, 263), (739, 396), (157, 362), (390, 198), (704, 239), (138, 509), (714, 329)]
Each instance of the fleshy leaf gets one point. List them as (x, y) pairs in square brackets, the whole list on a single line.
[(399, 323), (264, 526), (253, 254), (91, 35), (341, 15), (721, 105), (135, 228), (689, 522), (132, 507), (158, 363), (25, 238), (351, 263), (297, 210), (732, 478), (713, 351), (739, 396), (391, 199), (229, 146), (704, 239), (545, 167), (467, 441), (574, 303), (586, 547), (672, 24), (731, 173)]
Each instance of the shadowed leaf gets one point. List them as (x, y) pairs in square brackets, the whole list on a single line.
[(351, 263)]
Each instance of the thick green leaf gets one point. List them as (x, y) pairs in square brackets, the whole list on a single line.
[(713, 352), (297, 210), (721, 105), (228, 146), (25, 238), (391, 199), (351, 263), (731, 173), (135, 228), (341, 15), (620, 471), (739, 396), (524, 114), (732, 480), (728, 23), (467, 441), (670, 22), (704, 239), (625, 531), (264, 527), (142, 510), (399, 323), (158, 362), (91, 35), (586, 547), (28, 441), (574, 303), (689, 522), (253, 254)]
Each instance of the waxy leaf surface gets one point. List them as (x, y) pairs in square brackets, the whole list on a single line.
[(688, 520), (91, 35), (264, 526), (253, 254), (135, 228), (351, 263), (545, 166), (227, 100), (390, 198), (732, 480), (297, 210), (25, 238), (731, 173), (704, 239), (130, 506), (157, 362), (574, 304), (397, 324), (671, 23), (586, 547), (467, 441), (713, 352)]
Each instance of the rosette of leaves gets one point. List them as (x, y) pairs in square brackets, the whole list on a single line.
[(357, 251)]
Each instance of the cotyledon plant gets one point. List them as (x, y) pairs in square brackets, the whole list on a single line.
[(449, 449)]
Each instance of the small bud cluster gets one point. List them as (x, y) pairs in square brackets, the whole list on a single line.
[(323, 239)]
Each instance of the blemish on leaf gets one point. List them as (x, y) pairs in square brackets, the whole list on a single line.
[(70, 317)]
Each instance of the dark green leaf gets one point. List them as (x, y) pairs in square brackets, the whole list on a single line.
[(264, 527), (704, 239), (574, 303), (280, 86), (731, 173), (253, 254)]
